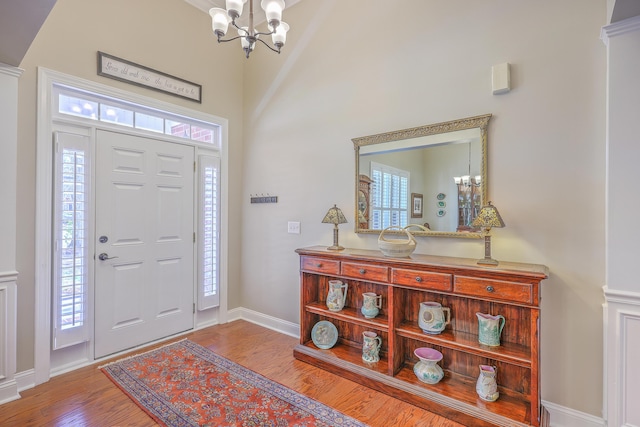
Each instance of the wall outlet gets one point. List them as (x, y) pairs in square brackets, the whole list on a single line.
[(293, 227)]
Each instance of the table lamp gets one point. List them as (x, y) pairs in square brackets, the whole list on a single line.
[(334, 216), (488, 218)]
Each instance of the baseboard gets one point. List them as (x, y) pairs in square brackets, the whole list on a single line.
[(9, 391), (566, 417), (26, 379), (270, 322)]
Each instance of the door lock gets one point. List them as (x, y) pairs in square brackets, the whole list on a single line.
[(103, 257)]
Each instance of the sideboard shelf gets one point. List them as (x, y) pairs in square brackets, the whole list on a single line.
[(511, 289), (508, 352)]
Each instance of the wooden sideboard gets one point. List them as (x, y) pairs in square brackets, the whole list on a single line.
[(510, 289)]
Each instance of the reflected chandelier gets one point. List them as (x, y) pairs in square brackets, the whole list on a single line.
[(249, 35)]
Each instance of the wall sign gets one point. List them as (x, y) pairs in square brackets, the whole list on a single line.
[(129, 72)]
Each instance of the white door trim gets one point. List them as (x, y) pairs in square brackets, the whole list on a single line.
[(44, 160)]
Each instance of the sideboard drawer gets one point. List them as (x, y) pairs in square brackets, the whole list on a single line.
[(494, 289), (320, 265), (365, 271), (421, 279)]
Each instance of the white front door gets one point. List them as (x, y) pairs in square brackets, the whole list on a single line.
[(144, 250)]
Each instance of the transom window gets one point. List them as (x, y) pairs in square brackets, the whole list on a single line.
[(78, 103)]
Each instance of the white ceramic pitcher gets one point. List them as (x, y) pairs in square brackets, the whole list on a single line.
[(337, 295), (431, 317)]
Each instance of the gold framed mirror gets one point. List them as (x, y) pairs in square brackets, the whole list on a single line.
[(434, 176)]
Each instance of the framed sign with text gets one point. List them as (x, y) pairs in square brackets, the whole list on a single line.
[(139, 75)]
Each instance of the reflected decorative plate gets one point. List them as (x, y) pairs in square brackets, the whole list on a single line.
[(441, 196), (324, 334), (441, 212)]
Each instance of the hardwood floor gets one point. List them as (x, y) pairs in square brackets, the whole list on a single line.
[(86, 397)]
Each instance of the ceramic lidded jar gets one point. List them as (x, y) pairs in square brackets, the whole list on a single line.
[(427, 369)]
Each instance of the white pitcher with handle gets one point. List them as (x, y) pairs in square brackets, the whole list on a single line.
[(431, 317), (337, 295)]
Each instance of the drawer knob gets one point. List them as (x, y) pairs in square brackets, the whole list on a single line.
[(490, 289), (418, 279), (318, 265), (362, 271)]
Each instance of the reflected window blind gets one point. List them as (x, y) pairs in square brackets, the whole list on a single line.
[(389, 196)]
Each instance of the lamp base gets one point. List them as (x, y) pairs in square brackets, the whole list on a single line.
[(487, 261), (335, 248)]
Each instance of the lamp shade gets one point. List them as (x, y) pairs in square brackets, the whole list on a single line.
[(334, 216), (273, 11), (279, 37), (219, 21), (234, 7), (488, 217)]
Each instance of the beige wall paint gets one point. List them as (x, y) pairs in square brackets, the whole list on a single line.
[(168, 35), (342, 76)]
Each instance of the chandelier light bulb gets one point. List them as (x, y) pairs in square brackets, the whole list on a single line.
[(273, 10), (279, 37), (219, 21), (234, 8), (243, 32)]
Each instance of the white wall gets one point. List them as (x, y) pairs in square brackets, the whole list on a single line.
[(343, 76), (9, 77), (622, 290)]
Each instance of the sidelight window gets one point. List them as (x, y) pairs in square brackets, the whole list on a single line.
[(209, 233), (70, 226)]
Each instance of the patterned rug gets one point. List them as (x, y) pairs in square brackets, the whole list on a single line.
[(185, 384)]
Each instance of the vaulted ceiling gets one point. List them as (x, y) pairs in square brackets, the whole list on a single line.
[(20, 21)]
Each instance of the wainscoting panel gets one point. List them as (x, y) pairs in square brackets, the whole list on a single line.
[(8, 303), (621, 355)]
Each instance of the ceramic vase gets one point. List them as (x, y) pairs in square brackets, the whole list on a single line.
[(371, 304), (427, 369), (337, 295), (487, 386)]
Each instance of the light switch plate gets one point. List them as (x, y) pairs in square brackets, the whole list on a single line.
[(293, 227)]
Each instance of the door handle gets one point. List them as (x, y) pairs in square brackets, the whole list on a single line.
[(103, 257)]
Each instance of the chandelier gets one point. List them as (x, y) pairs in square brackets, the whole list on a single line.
[(249, 35)]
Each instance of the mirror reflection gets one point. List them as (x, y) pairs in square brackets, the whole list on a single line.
[(434, 176)]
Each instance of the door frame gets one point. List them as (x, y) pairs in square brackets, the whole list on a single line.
[(46, 114)]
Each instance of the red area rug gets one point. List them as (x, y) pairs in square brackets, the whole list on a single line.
[(185, 384)]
